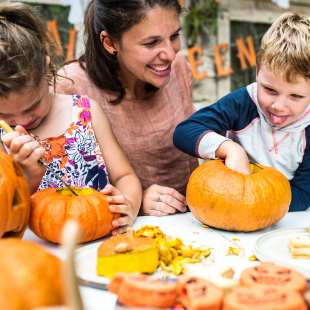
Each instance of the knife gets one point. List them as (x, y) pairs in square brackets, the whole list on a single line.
[(7, 128)]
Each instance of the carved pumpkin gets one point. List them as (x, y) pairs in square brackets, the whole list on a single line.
[(139, 290), (229, 200), (14, 197), (52, 207), (276, 276), (263, 298), (127, 254), (196, 294), (30, 276)]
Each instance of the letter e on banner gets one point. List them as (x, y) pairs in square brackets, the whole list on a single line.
[(220, 59), (195, 63), (243, 52)]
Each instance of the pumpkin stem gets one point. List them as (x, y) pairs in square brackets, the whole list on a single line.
[(130, 233)]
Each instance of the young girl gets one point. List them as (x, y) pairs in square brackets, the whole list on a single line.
[(81, 146)]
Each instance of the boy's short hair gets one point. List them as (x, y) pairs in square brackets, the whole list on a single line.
[(285, 48)]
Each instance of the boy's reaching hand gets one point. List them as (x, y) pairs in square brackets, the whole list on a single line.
[(235, 157), (119, 204)]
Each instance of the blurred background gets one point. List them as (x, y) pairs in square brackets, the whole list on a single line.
[(220, 38)]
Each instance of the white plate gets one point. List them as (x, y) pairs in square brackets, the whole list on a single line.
[(85, 267), (272, 246)]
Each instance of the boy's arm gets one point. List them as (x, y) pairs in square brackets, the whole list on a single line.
[(199, 135), (300, 183)]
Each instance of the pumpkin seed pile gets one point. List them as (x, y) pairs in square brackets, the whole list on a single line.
[(173, 254)]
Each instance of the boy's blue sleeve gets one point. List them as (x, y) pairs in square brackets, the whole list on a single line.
[(300, 184), (234, 111)]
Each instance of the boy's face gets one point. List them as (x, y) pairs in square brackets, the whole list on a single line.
[(282, 102)]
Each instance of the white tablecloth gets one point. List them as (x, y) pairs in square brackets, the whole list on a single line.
[(185, 227)]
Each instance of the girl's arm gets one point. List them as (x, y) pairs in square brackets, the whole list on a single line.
[(27, 152), (121, 174)]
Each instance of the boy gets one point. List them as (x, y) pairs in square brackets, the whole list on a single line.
[(268, 121)]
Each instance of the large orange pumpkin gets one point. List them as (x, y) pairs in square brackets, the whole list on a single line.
[(52, 207), (30, 276), (226, 199), (14, 197)]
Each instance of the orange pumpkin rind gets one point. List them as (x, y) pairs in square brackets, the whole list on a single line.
[(226, 199)]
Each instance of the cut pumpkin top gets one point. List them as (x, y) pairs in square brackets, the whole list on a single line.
[(121, 244)]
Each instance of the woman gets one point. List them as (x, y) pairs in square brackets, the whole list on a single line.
[(133, 68)]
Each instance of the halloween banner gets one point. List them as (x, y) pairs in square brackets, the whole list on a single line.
[(246, 53)]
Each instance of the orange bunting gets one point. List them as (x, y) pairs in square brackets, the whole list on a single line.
[(195, 63), (243, 52), (219, 60), (52, 27)]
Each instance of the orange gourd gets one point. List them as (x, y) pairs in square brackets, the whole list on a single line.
[(226, 199), (30, 276), (14, 197), (52, 207)]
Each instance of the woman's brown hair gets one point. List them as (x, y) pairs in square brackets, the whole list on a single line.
[(24, 47), (115, 17)]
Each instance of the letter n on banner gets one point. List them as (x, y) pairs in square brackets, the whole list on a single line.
[(52, 27), (243, 52), (219, 60), (195, 63)]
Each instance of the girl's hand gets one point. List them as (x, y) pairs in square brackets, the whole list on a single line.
[(160, 201), (27, 152), (235, 157), (119, 204)]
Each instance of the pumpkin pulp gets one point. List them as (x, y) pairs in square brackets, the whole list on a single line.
[(79, 191), (141, 255)]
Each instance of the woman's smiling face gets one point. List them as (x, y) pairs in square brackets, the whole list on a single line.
[(147, 50)]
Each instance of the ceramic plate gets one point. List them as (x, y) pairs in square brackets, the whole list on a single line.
[(85, 267), (272, 246)]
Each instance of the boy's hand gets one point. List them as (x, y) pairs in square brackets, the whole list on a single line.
[(119, 204), (235, 157), (27, 152)]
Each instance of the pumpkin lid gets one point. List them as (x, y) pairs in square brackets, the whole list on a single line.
[(121, 244)]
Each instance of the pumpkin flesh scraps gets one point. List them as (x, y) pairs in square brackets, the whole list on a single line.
[(119, 253), (173, 254), (226, 199)]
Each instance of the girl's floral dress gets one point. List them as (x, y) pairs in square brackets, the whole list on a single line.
[(75, 155)]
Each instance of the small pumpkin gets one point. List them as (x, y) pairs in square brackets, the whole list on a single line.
[(51, 208), (30, 276), (269, 274), (226, 199), (127, 254), (263, 298), (14, 197)]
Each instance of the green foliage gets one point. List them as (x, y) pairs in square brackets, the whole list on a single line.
[(201, 19)]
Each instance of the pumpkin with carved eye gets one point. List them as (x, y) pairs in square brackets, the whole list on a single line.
[(229, 200), (196, 294), (14, 198), (268, 274), (263, 298)]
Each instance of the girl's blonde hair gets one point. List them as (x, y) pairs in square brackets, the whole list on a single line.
[(24, 47), (285, 48)]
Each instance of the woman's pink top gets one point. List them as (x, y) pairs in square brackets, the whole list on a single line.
[(145, 129)]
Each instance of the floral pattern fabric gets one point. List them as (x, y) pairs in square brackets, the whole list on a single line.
[(75, 156)]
